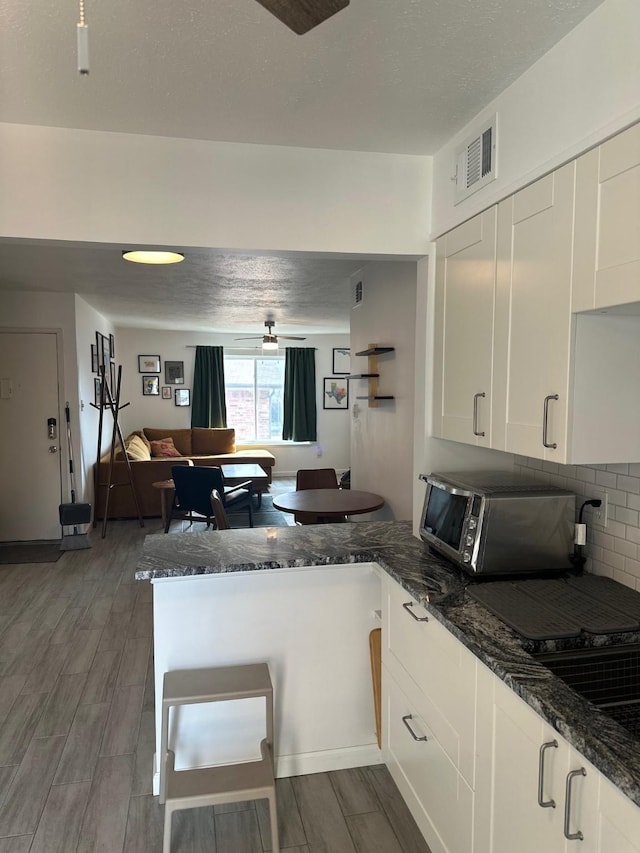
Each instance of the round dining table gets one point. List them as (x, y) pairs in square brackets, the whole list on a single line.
[(327, 503)]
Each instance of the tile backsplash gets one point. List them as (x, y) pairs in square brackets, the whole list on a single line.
[(613, 550)]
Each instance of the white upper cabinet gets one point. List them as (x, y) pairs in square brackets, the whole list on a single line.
[(533, 317), (530, 355), (465, 287), (607, 237)]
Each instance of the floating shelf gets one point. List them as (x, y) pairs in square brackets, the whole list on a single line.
[(371, 353), (376, 350)]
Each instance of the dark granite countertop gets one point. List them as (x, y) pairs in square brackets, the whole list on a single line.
[(441, 587)]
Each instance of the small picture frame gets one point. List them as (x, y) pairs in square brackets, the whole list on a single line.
[(96, 391), (151, 386), (341, 361), (335, 393), (182, 397), (112, 376), (166, 392), (94, 358), (112, 347), (174, 372), (149, 364), (103, 354)]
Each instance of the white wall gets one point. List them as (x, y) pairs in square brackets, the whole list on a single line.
[(584, 89), (79, 185), (382, 437), (332, 448)]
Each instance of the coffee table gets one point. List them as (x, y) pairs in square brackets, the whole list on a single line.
[(235, 474), (329, 502)]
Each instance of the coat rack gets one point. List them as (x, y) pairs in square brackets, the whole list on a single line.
[(107, 401)]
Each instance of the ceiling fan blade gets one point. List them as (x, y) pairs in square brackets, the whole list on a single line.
[(303, 15), (250, 338), (291, 338)]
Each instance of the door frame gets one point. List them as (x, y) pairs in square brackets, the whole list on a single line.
[(63, 450)]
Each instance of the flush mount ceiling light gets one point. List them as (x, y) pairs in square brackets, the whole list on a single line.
[(139, 256)]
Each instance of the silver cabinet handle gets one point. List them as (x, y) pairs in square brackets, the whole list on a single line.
[(545, 804), (407, 606), (475, 412), (405, 720), (545, 421), (572, 836)]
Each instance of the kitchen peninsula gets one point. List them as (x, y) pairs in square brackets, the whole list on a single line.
[(304, 599)]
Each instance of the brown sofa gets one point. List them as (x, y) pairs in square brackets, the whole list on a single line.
[(197, 446)]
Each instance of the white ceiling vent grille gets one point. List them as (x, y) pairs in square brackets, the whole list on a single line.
[(476, 160), (357, 294)]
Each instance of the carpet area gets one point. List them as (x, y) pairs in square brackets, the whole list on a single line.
[(29, 552), (266, 516)]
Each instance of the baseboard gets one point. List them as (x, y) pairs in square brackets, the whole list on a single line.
[(304, 763)]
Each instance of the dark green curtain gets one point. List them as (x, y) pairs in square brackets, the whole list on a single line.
[(208, 407), (299, 423)]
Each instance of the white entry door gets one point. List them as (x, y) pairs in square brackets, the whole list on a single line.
[(29, 460)]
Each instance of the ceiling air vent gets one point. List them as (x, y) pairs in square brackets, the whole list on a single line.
[(476, 161), (357, 294)]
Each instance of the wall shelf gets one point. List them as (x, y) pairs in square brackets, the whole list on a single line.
[(372, 375)]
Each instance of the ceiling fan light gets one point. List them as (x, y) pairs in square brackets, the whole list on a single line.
[(269, 343), (140, 256)]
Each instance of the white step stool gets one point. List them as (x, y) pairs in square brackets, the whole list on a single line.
[(229, 783)]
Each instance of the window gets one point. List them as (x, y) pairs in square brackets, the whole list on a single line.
[(254, 386)]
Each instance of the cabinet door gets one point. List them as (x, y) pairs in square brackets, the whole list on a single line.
[(518, 821), (465, 285), (607, 269), (533, 315)]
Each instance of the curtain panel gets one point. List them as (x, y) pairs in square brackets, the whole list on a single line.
[(208, 408), (299, 422)]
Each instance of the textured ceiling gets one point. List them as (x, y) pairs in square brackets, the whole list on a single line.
[(381, 75)]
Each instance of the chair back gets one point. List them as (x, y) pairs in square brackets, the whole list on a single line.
[(316, 478), (194, 485), (222, 522)]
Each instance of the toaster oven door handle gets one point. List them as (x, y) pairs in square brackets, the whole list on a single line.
[(545, 422), (476, 397), (408, 607)]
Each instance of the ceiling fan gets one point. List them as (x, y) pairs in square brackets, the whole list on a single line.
[(269, 340), (303, 15)]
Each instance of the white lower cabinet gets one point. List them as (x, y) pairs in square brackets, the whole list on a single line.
[(437, 795), (476, 765)]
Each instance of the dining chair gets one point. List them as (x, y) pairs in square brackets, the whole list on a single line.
[(314, 478)]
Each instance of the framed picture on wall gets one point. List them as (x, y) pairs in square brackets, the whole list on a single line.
[(94, 358), (166, 392), (341, 360), (96, 391), (148, 364), (112, 376), (151, 386), (182, 397), (174, 372), (112, 347), (335, 393)]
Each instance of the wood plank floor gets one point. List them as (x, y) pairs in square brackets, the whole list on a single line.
[(77, 729)]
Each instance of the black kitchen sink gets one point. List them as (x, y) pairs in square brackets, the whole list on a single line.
[(608, 677)]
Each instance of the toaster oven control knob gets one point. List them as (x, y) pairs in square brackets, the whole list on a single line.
[(466, 556), (472, 524)]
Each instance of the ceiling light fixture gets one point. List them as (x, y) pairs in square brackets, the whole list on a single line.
[(139, 256), (269, 343)]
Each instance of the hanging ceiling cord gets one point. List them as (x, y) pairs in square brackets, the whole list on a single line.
[(83, 42)]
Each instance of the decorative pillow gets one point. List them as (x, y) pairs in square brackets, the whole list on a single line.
[(143, 438), (164, 448), (137, 450)]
